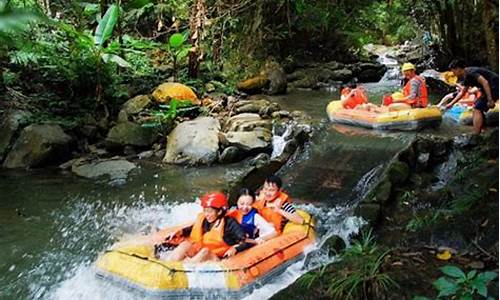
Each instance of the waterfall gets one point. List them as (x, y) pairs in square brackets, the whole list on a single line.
[(392, 65)]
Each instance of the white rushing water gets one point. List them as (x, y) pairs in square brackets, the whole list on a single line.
[(89, 229)]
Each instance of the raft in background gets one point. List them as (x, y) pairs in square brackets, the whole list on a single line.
[(463, 115), (407, 120), (135, 266)]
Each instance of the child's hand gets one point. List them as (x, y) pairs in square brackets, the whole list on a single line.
[(172, 235), (230, 252)]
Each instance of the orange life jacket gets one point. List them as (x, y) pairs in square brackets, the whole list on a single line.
[(212, 239), (269, 214), (419, 101), (357, 98)]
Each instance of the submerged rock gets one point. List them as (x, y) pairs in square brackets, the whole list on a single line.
[(194, 142), (115, 169), (229, 155), (39, 145)]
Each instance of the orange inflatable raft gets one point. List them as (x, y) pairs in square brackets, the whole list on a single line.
[(134, 265)]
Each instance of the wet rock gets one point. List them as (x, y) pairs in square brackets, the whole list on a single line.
[(129, 151), (229, 155), (343, 75), (280, 114), (39, 145), (246, 122), (145, 154), (251, 106), (277, 79), (132, 134), (307, 81), (194, 142), (438, 86), (398, 172), (253, 85), (334, 245), (9, 128), (260, 160), (269, 110), (370, 212), (136, 104), (422, 161), (115, 169), (257, 140)]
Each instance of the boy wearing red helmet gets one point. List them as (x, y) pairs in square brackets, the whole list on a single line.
[(213, 235)]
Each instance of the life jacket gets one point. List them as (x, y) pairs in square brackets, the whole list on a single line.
[(269, 214), (247, 222), (357, 98), (420, 101), (213, 239)]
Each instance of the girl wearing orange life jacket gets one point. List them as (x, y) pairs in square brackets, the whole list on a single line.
[(257, 230), (275, 206), (352, 96), (213, 235)]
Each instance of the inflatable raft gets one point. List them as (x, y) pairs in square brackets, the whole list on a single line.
[(463, 115), (135, 266), (411, 119)]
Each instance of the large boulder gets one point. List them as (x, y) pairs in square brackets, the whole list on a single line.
[(9, 128), (247, 122), (257, 140), (343, 75), (130, 134), (115, 169), (194, 142), (277, 79), (253, 85), (173, 90), (38, 145), (272, 79)]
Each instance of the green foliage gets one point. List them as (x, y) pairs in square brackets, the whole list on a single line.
[(178, 49), (163, 119), (419, 222), (366, 278), (456, 284)]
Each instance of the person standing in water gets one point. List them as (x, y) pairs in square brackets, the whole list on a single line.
[(485, 80)]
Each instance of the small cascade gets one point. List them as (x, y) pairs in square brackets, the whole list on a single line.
[(280, 138), (392, 65)]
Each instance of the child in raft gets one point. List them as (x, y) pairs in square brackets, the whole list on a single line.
[(468, 99), (257, 230), (275, 206), (352, 96), (212, 237)]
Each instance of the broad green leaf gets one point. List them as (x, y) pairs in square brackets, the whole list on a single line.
[(107, 57), (106, 25), (183, 53), (471, 274), (176, 40), (453, 271), (467, 296), (136, 4), (486, 277), (90, 9), (445, 287), (482, 290)]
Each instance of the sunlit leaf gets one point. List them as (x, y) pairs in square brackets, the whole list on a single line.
[(176, 40), (106, 25)]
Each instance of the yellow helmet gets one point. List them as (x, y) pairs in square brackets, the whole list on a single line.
[(408, 66)]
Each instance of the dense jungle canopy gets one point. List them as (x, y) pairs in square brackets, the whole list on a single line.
[(51, 48)]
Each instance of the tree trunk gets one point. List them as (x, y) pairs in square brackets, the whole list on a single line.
[(196, 23), (490, 28)]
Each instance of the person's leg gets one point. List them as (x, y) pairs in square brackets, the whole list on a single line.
[(201, 256), (179, 253), (477, 120), (399, 106)]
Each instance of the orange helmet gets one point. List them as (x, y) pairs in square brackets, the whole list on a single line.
[(214, 199)]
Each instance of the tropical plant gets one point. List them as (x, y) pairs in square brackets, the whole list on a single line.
[(178, 50), (163, 119), (458, 285), (366, 279)]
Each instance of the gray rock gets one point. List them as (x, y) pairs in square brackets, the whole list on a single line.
[(422, 161), (115, 169), (136, 104), (343, 75), (270, 109), (280, 114), (9, 128), (229, 154), (38, 145), (260, 160), (246, 122), (277, 80), (129, 133), (259, 139), (194, 142), (145, 154), (250, 106)]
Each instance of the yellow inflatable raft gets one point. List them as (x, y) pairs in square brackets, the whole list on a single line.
[(135, 266), (410, 119)]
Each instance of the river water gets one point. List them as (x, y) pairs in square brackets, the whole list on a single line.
[(53, 225)]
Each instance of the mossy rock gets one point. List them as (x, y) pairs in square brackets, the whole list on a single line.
[(370, 212), (398, 172)]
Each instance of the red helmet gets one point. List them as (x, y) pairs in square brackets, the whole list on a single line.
[(214, 199)]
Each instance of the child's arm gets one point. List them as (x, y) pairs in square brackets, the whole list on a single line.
[(288, 211)]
